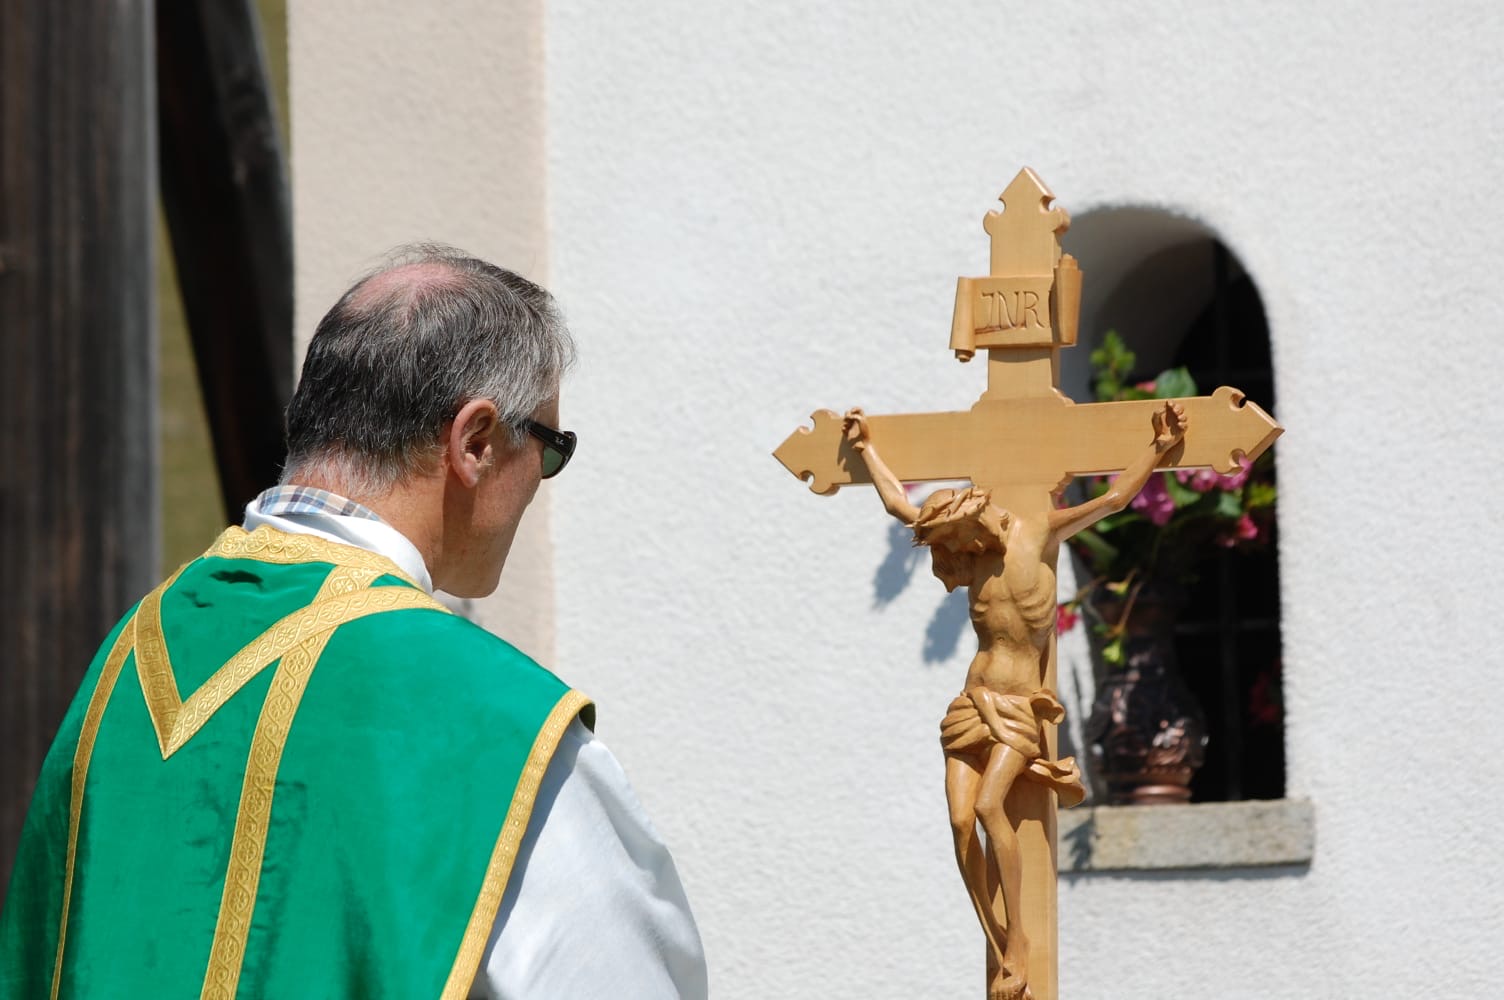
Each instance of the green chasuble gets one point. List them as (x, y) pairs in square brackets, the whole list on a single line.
[(289, 772)]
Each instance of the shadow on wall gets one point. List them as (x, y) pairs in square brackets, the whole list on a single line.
[(1147, 273), (897, 568), (942, 637), (1177, 876)]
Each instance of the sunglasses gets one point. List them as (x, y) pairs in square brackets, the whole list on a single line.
[(558, 446)]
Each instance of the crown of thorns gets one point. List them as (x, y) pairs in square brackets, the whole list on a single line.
[(946, 507)]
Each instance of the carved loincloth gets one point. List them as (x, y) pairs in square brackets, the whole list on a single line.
[(980, 717)]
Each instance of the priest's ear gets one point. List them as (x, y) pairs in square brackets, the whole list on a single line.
[(470, 446)]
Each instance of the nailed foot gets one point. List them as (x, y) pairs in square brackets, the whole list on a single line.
[(1009, 987)]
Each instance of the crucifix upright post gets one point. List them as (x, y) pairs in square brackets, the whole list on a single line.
[(1020, 444)]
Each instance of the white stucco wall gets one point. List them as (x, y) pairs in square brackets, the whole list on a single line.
[(756, 210), (760, 209)]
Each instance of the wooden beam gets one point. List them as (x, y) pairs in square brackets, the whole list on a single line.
[(224, 189), (78, 436)]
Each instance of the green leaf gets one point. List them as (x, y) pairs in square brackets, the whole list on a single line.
[(1230, 505), (1115, 352), (1259, 495), (1112, 653), (1114, 521), (1174, 383), (1111, 363), (1182, 494), (1101, 551)]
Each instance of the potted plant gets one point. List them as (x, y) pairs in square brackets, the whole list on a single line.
[(1146, 731)]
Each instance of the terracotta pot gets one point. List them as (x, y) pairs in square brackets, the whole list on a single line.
[(1147, 733)]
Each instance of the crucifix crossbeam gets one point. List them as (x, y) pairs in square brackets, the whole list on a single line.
[(1039, 441), (1020, 444), (1023, 431)]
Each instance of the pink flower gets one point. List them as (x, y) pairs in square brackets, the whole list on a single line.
[(1263, 708), (1264, 697), (1237, 479), (1065, 618), (1146, 386), (1200, 480), (1244, 531), (1154, 501), (1206, 480)]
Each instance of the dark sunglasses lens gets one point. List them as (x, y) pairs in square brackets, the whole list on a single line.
[(553, 461)]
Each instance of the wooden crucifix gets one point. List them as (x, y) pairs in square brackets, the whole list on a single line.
[(1020, 444)]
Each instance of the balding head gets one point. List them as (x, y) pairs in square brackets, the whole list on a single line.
[(403, 283), (404, 349)]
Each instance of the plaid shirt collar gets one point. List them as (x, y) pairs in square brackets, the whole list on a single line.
[(308, 500)]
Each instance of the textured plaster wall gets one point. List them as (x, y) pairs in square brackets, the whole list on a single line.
[(754, 210), (417, 121), (759, 209)]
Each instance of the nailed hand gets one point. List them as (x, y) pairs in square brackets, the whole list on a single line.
[(854, 426), (1170, 425)]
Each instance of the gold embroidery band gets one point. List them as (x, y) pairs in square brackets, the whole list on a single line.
[(298, 640), (248, 845), (483, 916), (152, 667), (87, 734), (267, 545), (177, 721)]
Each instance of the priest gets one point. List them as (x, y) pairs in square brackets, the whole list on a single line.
[(290, 771)]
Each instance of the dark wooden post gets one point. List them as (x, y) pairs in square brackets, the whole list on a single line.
[(78, 436), (224, 189)]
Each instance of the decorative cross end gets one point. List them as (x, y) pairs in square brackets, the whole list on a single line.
[(821, 455), (1032, 299)]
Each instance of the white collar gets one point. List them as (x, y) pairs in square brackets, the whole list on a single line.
[(361, 532)]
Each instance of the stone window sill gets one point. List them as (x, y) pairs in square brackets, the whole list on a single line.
[(1200, 835)]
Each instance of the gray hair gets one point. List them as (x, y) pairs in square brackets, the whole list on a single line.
[(404, 349)]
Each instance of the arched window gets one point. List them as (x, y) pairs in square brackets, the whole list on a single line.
[(1178, 296)]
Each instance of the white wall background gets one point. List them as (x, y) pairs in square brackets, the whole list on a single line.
[(756, 210)]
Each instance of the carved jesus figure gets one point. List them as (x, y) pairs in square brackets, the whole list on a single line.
[(992, 732)]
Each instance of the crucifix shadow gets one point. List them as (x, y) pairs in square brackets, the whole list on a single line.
[(951, 616)]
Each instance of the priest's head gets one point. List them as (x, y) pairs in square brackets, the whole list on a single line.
[(430, 394)]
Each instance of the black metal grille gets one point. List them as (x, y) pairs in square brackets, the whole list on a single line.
[(1228, 641)]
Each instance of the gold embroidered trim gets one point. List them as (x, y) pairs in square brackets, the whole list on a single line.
[(248, 846), (87, 734), (297, 640), (176, 721), (152, 666), (504, 855), (269, 545)]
